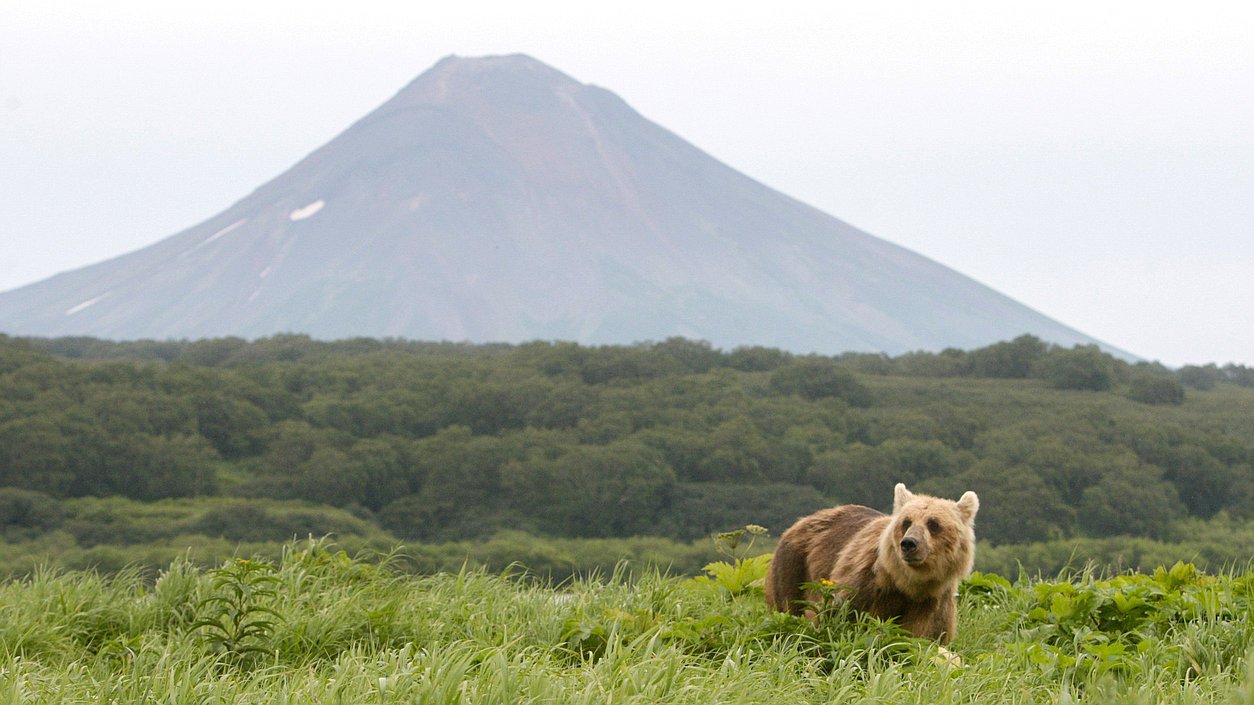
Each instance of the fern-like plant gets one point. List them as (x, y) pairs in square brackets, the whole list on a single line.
[(236, 621)]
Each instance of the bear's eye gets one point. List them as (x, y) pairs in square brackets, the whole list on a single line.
[(933, 526), (905, 524)]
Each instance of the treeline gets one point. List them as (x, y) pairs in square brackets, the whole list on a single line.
[(443, 442), (1080, 367)]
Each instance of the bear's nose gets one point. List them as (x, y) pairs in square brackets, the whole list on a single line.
[(909, 545)]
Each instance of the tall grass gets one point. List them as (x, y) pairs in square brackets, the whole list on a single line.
[(350, 631)]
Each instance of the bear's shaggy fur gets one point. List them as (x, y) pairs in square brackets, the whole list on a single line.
[(904, 566)]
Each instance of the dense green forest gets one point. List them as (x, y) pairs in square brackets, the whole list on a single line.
[(113, 452)]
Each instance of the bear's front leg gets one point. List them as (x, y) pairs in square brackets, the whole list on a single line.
[(937, 621)]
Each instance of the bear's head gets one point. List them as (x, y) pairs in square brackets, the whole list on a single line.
[(929, 541)]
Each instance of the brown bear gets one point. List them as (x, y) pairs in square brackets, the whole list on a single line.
[(904, 566)]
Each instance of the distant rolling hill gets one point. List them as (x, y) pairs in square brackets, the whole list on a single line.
[(497, 199)]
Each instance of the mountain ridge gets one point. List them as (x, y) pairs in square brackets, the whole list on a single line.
[(499, 199)]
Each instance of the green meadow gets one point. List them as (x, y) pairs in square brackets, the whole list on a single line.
[(319, 626)]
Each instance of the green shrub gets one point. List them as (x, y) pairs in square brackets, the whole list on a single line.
[(1156, 390), (818, 378), (1080, 368), (27, 513)]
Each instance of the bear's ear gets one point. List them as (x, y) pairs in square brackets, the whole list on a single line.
[(901, 495), (968, 505)]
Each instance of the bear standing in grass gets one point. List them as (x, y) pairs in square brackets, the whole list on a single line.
[(905, 566)]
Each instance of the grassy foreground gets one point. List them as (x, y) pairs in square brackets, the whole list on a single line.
[(320, 627)]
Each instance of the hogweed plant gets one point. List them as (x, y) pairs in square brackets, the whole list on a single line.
[(740, 573)]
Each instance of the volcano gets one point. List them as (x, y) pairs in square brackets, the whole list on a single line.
[(498, 199)]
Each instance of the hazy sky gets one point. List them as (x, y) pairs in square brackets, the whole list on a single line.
[(1093, 160)]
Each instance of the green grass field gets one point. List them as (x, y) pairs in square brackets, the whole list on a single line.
[(320, 627)]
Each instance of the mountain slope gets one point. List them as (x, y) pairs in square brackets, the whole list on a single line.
[(497, 199)]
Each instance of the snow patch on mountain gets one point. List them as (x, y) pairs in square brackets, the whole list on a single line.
[(307, 211), (89, 302)]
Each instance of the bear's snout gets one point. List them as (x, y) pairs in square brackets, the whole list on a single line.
[(913, 550)]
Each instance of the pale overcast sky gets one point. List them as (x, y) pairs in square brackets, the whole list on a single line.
[(1093, 160)]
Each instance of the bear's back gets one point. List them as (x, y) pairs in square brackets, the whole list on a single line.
[(827, 533)]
